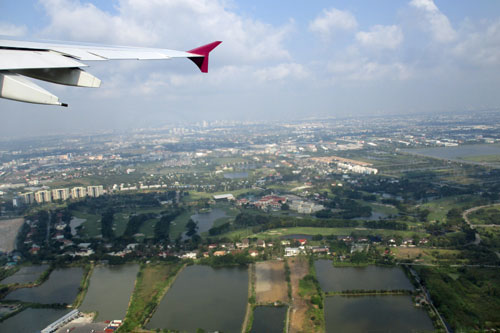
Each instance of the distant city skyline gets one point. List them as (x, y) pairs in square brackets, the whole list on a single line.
[(315, 59)]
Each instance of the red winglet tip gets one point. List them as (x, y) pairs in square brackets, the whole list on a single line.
[(204, 51)]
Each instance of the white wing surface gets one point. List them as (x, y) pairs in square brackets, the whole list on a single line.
[(61, 63)]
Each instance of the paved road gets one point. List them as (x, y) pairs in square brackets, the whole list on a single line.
[(465, 216)]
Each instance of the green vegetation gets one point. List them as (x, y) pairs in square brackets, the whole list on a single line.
[(325, 232), (153, 281), (107, 224), (84, 284), (468, 298), (288, 280), (483, 158), (228, 260), (310, 290), (487, 215)]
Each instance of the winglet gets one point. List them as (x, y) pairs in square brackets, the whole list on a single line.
[(203, 51)]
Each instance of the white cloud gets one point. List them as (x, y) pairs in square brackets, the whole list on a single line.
[(177, 24), (436, 22), (480, 45), (281, 72), (368, 70), (333, 20), (382, 37), (7, 29)]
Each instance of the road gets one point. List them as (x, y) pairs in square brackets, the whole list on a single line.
[(465, 216)]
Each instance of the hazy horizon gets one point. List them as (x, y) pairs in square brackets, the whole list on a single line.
[(302, 60)]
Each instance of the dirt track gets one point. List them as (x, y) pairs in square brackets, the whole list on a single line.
[(299, 267), (8, 233), (270, 284)]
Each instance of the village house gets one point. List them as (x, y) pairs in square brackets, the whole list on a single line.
[(189, 255), (301, 241), (243, 244), (292, 251), (320, 249), (219, 253)]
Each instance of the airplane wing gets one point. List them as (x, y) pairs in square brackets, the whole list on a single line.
[(61, 62)]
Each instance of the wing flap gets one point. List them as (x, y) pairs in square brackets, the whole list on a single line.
[(23, 59)]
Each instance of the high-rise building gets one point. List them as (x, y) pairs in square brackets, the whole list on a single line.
[(78, 192), (60, 194), (95, 191), (28, 197), (43, 196)]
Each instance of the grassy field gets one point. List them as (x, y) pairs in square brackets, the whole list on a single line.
[(381, 208), (178, 226), (148, 228), (152, 283), (468, 298), (487, 215), (439, 208), (274, 233), (427, 256), (92, 226), (483, 158), (120, 223)]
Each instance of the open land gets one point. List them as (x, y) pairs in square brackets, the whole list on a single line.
[(270, 283), (8, 232), (299, 267)]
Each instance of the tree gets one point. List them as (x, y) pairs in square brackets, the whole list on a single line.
[(191, 227)]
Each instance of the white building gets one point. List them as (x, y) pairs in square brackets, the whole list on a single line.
[(78, 192), (95, 191), (43, 196), (60, 194), (292, 251)]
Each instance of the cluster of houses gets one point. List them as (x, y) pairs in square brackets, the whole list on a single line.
[(274, 202), (268, 202), (253, 248)]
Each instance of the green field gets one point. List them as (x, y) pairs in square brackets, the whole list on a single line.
[(92, 226), (486, 215), (483, 158), (152, 282), (440, 207), (178, 226), (468, 298), (274, 233)]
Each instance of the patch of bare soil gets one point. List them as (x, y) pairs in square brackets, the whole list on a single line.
[(270, 284), (299, 267), (8, 233)]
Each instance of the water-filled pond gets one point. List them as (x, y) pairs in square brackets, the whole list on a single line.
[(268, 319), (236, 175), (26, 274), (61, 287), (457, 153), (297, 236), (74, 224), (204, 297), (375, 314), (109, 291), (206, 220), (31, 320), (368, 278)]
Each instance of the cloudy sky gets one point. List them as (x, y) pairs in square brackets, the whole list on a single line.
[(279, 60)]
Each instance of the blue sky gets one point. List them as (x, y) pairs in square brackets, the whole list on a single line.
[(291, 60)]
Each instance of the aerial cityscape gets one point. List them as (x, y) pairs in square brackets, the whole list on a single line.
[(402, 205), (335, 168)]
